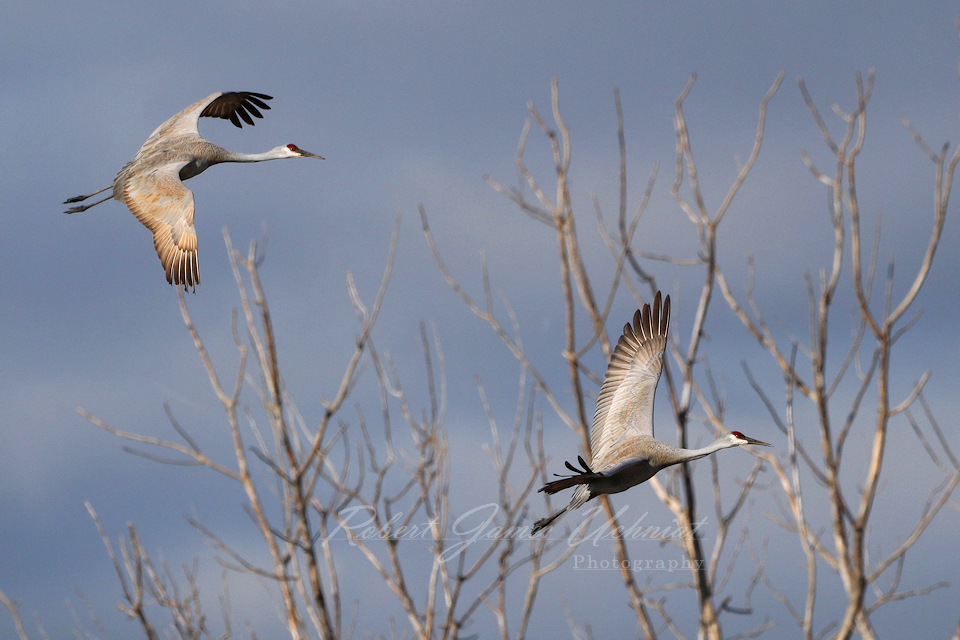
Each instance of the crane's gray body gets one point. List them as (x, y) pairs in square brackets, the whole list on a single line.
[(624, 451)]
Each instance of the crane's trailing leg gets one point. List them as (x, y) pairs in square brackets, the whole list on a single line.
[(82, 198), (581, 477), (89, 195), (84, 207), (580, 497), (543, 523)]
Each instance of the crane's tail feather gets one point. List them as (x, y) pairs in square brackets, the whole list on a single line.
[(585, 468), (580, 476), (570, 481)]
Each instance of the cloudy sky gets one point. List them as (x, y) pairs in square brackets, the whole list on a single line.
[(411, 103)]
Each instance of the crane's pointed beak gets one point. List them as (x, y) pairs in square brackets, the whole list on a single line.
[(752, 441), (307, 154)]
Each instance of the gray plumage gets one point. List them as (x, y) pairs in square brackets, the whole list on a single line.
[(624, 451), (151, 185)]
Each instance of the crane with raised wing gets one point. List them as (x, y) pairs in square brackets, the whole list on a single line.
[(151, 185), (624, 451)]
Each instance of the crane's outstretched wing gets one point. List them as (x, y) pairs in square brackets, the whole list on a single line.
[(230, 105), (164, 205), (625, 404)]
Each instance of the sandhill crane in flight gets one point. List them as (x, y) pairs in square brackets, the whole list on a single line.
[(625, 452), (151, 185)]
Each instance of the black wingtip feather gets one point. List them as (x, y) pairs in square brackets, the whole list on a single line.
[(234, 105), (260, 103)]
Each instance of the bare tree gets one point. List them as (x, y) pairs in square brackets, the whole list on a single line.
[(294, 455), (676, 490), (321, 481), (690, 383), (850, 515)]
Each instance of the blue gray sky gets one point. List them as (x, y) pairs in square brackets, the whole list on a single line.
[(411, 103)]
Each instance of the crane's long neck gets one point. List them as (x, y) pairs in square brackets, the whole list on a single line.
[(202, 154), (713, 447), (273, 154), (212, 154)]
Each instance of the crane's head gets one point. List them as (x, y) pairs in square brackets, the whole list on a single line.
[(293, 151), (738, 439)]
